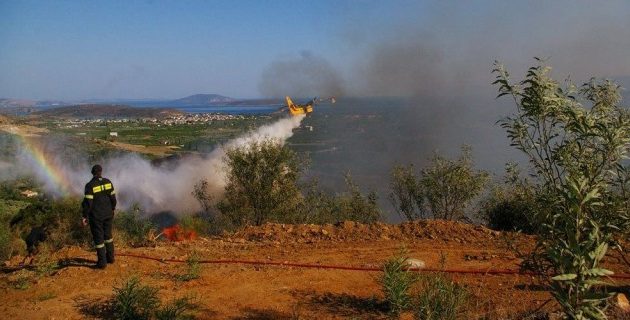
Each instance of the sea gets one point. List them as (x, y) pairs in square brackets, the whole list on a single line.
[(257, 109)]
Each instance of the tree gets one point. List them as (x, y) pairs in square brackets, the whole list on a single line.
[(406, 196), (449, 186), (262, 183), (575, 153)]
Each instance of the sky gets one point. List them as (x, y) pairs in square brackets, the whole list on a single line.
[(71, 50)]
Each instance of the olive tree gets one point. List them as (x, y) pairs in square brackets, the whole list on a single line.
[(575, 139), (261, 183), (406, 196), (449, 186)]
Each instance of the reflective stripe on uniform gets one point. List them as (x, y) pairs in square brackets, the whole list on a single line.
[(97, 189), (108, 186), (98, 246), (109, 241), (113, 192), (89, 196)]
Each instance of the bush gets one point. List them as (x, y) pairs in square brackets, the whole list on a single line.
[(445, 187), (574, 152), (449, 186), (509, 206), (320, 207), (439, 299), (8, 208), (262, 184), (193, 268), (135, 231), (396, 283), (406, 196), (134, 300), (61, 219), (5, 243), (176, 310)]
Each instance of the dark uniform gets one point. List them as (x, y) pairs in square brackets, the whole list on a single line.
[(98, 206)]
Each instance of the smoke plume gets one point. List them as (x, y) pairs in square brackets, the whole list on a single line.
[(161, 188), (307, 76)]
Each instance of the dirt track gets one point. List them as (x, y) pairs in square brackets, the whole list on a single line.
[(233, 291)]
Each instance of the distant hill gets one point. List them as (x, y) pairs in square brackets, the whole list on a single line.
[(204, 100), (17, 106), (108, 110)]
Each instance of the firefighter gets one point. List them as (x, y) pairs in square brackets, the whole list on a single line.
[(98, 205)]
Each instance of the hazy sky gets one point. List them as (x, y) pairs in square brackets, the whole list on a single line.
[(170, 49)]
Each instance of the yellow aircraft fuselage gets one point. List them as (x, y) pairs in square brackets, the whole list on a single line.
[(296, 109)]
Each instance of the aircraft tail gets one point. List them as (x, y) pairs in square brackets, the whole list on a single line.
[(289, 101)]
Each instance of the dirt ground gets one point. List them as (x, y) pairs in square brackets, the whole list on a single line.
[(243, 291)]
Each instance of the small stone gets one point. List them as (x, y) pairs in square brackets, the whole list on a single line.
[(414, 263), (324, 232)]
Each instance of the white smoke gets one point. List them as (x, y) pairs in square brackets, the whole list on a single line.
[(157, 189)]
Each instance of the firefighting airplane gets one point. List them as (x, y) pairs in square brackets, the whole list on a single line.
[(298, 109)]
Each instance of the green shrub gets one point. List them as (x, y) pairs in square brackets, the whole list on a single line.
[(509, 206), (134, 230), (396, 283), (406, 197), (134, 300), (200, 224), (575, 153), (320, 207), (61, 217), (439, 299), (5, 242), (193, 268), (449, 186), (262, 183), (176, 310)]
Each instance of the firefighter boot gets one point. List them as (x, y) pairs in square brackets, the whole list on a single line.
[(102, 260), (110, 251)]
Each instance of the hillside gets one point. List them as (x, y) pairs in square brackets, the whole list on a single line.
[(17, 106), (283, 280), (106, 110), (204, 99)]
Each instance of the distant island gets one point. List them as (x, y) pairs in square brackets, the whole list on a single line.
[(108, 110), (205, 100)]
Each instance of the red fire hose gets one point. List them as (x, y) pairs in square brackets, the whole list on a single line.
[(337, 267)]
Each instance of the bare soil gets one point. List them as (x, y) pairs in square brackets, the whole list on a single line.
[(243, 291)]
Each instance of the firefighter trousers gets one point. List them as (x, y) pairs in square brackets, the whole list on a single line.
[(101, 231)]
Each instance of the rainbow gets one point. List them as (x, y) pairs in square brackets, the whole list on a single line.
[(45, 168)]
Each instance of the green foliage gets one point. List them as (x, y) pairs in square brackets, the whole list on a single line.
[(5, 242), (449, 186), (320, 207), (134, 300), (439, 299), (8, 209), (508, 205), (396, 283), (193, 268), (60, 217), (135, 230), (406, 196), (445, 187), (575, 153), (22, 279), (262, 183), (198, 223), (176, 310)]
